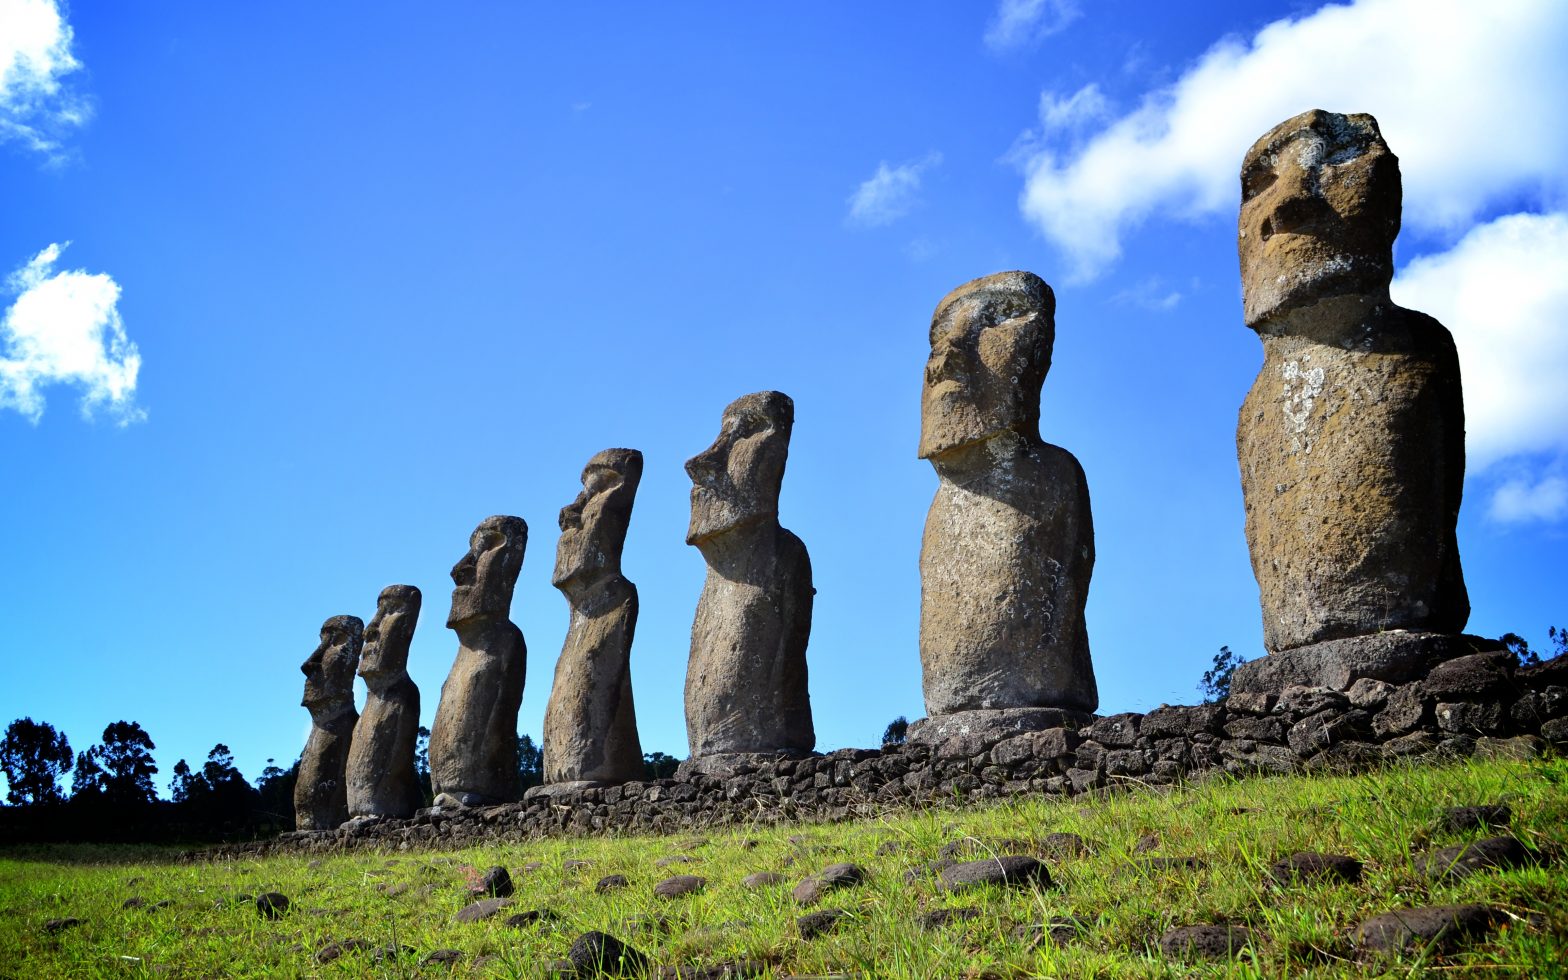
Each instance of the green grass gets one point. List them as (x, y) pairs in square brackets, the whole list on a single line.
[(1237, 826)]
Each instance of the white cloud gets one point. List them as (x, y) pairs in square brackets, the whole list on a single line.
[(1503, 291), (35, 54), (1152, 294), (1058, 114), (1018, 23), (1469, 95), (890, 193), (65, 328), (1517, 501)]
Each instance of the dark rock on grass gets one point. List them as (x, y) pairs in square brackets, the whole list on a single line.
[(1308, 867), (762, 879), (390, 953), (610, 883), (496, 883), (1443, 928), (442, 957), (814, 924), (137, 902), (646, 923), (888, 847), (1146, 843), (56, 926), (479, 911), (1009, 870), (272, 905), (927, 870), (530, 918), (679, 885), (829, 878), (1461, 818), (733, 970), (1205, 942), (1464, 860), (599, 954), (937, 918), (665, 862), (332, 951), (574, 865)]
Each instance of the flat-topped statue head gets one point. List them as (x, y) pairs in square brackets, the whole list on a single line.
[(736, 480), (484, 578), (390, 632), (1320, 200), (593, 527), (991, 342), (329, 672)]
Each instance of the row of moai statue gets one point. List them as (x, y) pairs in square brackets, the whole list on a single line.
[(1351, 446)]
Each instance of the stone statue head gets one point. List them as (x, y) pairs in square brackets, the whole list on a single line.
[(484, 577), (1320, 200), (390, 631), (991, 343), (593, 527), (329, 672), (736, 480)]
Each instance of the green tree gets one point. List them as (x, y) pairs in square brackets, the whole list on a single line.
[(120, 768), (1215, 684), (181, 785), (896, 731), (422, 763), (275, 792), (657, 765), (34, 756), (530, 763)]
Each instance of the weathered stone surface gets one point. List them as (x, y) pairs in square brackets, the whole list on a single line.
[(321, 794), (1407, 707), (814, 924), (746, 687), (833, 876), (1443, 928), (1457, 819), (610, 883), (1173, 721), (1518, 748), (481, 910), (272, 905), (987, 726), (473, 740), (679, 885), (590, 724), (496, 882), (381, 777), (1306, 866), (1476, 677), (1351, 441), (762, 879), (1005, 870), (1395, 656), (1465, 860), (1205, 941), (1320, 731), (599, 954), (1009, 540)]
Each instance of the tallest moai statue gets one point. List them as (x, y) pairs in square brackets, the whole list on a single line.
[(1351, 440)]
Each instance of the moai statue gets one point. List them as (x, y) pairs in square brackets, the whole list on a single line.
[(321, 793), (1009, 541), (1351, 441), (590, 726), (473, 740), (746, 679), (381, 777)]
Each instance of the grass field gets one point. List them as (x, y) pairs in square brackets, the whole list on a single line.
[(1123, 904)]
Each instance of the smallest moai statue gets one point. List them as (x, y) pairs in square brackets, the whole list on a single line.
[(321, 794), (382, 781)]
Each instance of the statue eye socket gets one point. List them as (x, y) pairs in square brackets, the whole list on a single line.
[(1256, 182)]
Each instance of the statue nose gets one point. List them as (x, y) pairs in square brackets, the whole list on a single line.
[(703, 466)]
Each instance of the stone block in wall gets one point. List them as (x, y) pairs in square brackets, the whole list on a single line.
[(1545, 674), (1259, 728), (1116, 731), (1477, 677), (1051, 744), (1396, 656), (1090, 755), (1177, 750), (1168, 721), (1471, 718), (1520, 747), (1312, 735), (1555, 731), (1414, 744), (965, 745), (1083, 780), (1127, 762), (1166, 771), (991, 725), (1300, 701), (1456, 747), (1243, 755), (1346, 757), (1368, 694), (1406, 710), (1251, 702)]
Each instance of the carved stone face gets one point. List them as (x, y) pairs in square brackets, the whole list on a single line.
[(329, 672), (593, 527), (484, 578), (991, 343), (1320, 200), (736, 480), (390, 631)]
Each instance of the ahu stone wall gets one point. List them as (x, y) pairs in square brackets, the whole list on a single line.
[(1475, 704)]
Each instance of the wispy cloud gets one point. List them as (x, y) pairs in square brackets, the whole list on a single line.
[(890, 193), (1020, 23), (1503, 291), (1464, 92), (65, 328), (36, 108), (1153, 294)]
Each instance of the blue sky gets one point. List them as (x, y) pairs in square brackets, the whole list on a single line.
[(296, 295)]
